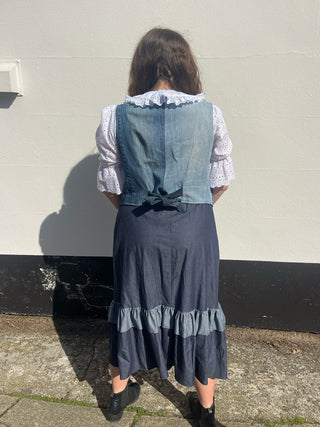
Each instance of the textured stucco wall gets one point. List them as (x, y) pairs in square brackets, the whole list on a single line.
[(260, 63)]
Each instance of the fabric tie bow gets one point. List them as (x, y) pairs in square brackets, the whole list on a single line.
[(171, 199)]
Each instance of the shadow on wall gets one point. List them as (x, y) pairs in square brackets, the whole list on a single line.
[(74, 277), (84, 224), (77, 246)]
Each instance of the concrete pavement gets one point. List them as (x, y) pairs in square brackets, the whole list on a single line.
[(54, 372)]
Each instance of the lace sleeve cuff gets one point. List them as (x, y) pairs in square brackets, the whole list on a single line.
[(110, 178), (221, 172)]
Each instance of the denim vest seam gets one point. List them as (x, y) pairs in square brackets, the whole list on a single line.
[(120, 139), (162, 141)]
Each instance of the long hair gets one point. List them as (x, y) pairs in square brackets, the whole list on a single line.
[(163, 54)]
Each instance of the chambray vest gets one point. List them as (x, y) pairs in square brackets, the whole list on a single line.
[(165, 153)]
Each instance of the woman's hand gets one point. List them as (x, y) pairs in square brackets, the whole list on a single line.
[(114, 199), (217, 192)]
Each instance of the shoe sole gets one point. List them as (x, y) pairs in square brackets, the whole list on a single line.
[(114, 418)]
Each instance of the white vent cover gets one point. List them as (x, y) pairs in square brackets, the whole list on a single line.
[(10, 77)]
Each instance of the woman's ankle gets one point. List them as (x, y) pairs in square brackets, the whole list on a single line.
[(117, 390), (205, 392), (206, 405), (118, 385)]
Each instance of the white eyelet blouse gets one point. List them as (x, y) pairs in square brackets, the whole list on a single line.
[(110, 176)]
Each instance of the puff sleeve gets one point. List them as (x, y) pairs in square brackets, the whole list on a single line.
[(110, 176), (221, 167)]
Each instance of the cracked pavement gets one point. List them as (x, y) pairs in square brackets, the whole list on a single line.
[(272, 374)]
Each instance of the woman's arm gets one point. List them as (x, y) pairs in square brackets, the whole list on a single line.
[(221, 167), (114, 199), (110, 177), (217, 192)]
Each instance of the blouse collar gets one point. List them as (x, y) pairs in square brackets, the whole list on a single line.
[(159, 97)]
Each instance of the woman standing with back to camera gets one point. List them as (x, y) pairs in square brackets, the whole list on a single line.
[(164, 161)]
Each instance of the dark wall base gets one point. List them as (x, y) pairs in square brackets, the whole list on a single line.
[(55, 285), (271, 295), (257, 294)]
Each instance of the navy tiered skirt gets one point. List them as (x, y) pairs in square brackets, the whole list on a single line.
[(165, 310)]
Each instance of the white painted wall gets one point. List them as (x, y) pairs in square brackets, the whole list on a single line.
[(260, 63)]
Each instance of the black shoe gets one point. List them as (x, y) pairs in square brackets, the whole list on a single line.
[(205, 416), (120, 400)]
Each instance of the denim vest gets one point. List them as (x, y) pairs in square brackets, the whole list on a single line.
[(165, 153)]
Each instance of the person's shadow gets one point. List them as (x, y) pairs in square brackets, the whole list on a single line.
[(72, 241), (84, 224)]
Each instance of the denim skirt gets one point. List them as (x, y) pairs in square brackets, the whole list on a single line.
[(165, 311)]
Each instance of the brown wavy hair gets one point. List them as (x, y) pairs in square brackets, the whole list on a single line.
[(163, 54)]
